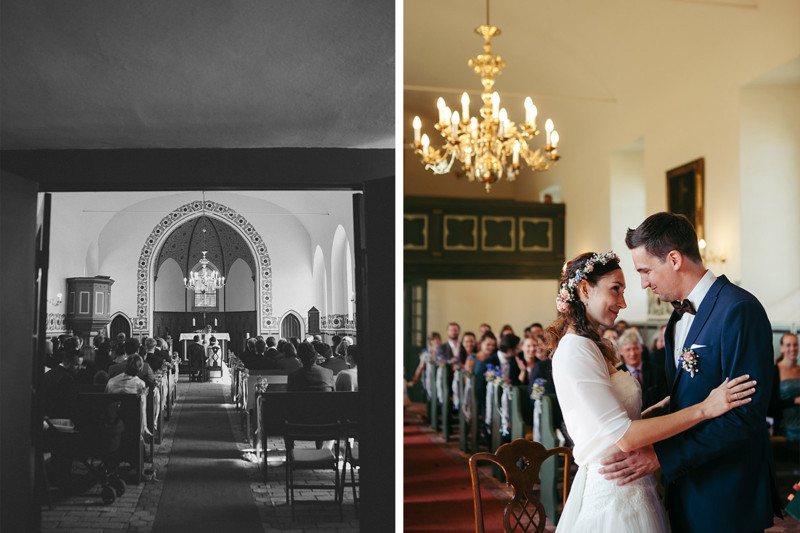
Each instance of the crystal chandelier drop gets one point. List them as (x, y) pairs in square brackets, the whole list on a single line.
[(489, 148), (204, 279)]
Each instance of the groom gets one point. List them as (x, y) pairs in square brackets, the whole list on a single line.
[(719, 475)]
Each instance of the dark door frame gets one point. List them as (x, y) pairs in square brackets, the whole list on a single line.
[(295, 169)]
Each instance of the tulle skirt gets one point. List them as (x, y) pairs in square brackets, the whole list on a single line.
[(597, 505)]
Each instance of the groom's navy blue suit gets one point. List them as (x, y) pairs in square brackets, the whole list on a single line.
[(720, 473)]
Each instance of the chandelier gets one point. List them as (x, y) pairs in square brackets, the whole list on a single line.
[(489, 148), (204, 279)]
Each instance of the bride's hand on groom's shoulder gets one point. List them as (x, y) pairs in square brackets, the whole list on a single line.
[(630, 466), (730, 394)]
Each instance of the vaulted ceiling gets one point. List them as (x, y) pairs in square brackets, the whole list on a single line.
[(197, 74)]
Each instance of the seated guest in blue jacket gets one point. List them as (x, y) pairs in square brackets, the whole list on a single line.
[(311, 377)]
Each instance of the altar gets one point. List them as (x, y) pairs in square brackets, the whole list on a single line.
[(222, 339)]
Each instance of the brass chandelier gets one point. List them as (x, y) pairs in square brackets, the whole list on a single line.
[(204, 278), (491, 148)]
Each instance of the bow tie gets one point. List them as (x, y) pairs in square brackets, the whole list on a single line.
[(683, 307)]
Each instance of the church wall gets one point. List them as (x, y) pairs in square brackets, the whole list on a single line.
[(770, 192), (515, 302), (113, 241)]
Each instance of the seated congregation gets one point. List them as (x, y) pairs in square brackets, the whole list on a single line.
[(105, 406), (484, 391)]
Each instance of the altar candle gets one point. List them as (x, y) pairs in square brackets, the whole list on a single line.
[(215, 322), (193, 324)]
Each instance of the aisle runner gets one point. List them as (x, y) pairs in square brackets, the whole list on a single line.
[(437, 490), (206, 487)]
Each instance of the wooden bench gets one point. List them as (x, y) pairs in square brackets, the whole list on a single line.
[(468, 426), (131, 449), (275, 408), (277, 383)]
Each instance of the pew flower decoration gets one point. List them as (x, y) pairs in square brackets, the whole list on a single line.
[(537, 390), (262, 384), (494, 375), (689, 361)]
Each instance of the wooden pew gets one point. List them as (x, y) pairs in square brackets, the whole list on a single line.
[(275, 408), (433, 401), (521, 410), (468, 429), (548, 474), (445, 404), (277, 383), (131, 448)]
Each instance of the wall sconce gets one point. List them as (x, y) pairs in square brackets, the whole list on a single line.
[(709, 256), (57, 300)]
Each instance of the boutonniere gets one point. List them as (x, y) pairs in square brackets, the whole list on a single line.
[(688, 361)]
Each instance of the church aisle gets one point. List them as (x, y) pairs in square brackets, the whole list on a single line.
[(205, 488)]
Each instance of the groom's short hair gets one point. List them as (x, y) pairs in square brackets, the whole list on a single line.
[(663, 232)]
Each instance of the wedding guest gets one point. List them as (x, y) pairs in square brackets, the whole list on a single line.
[(450, 350), (651, 378), (427, 355), (336, 364), (129, 382), (347, 380), (788, 420), (311, 377), (468, 347), (289, 360), (58, 386), (529, 361)]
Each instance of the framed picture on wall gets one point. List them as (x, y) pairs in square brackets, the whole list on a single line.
[(685, 193)]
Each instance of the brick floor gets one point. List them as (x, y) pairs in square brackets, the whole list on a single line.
[(135, 511)]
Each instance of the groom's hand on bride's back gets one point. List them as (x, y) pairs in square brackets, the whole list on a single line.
[(630, 466)]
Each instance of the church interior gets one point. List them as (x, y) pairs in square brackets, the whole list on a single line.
[(220, 171), (639, 93)]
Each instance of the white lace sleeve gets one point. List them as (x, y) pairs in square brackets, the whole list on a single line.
[(594, 415)]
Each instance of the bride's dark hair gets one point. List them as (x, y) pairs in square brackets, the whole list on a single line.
[(575, 314)]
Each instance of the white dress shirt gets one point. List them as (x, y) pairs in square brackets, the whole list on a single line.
[(683, 325)]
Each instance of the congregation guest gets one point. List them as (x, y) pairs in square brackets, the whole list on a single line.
[(657, 351), (130, 382), (620, 326), (311, 377), (652, 378), (118, 347), (528, 365), (289, 361), (271, 352), (88, 368), (131, 349), (535, 330), (59, 388), (151, 356), (427, 355), (611, 335), (102, 349), (249, 351), (336, 364), (506, 329), (450, 351), (544, 366), (788, 420), (335, 340), (347, 380), (50, 360), (483, 329), (259, 360), (507, 357), (469, 346)]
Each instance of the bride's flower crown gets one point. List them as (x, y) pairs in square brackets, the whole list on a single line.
[(567, 293)]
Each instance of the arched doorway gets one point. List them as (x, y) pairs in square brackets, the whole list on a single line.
[(290, 327), (119, 324)]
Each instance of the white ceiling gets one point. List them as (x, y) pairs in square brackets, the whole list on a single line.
[(587, 51), (197, 73)]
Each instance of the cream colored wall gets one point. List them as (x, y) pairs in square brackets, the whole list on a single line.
[(472, 302), (680, 120), (770, 192)]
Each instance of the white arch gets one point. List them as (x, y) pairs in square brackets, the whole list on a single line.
[(320, 277), (338, 287), (144, 300)]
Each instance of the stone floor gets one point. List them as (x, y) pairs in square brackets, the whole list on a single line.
[(135, 511)]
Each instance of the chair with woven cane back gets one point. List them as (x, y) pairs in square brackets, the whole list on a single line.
[(521, 461)]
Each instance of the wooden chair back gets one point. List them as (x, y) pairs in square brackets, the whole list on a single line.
[(521, 461)]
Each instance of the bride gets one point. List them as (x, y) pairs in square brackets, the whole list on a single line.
[(602, 406)]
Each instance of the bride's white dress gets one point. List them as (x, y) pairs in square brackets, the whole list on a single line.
[(598, 410)]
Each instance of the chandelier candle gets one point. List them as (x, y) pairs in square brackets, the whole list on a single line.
[(491, 147)]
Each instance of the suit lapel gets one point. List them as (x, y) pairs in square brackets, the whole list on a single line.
[(669, 343), (706, 307)]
